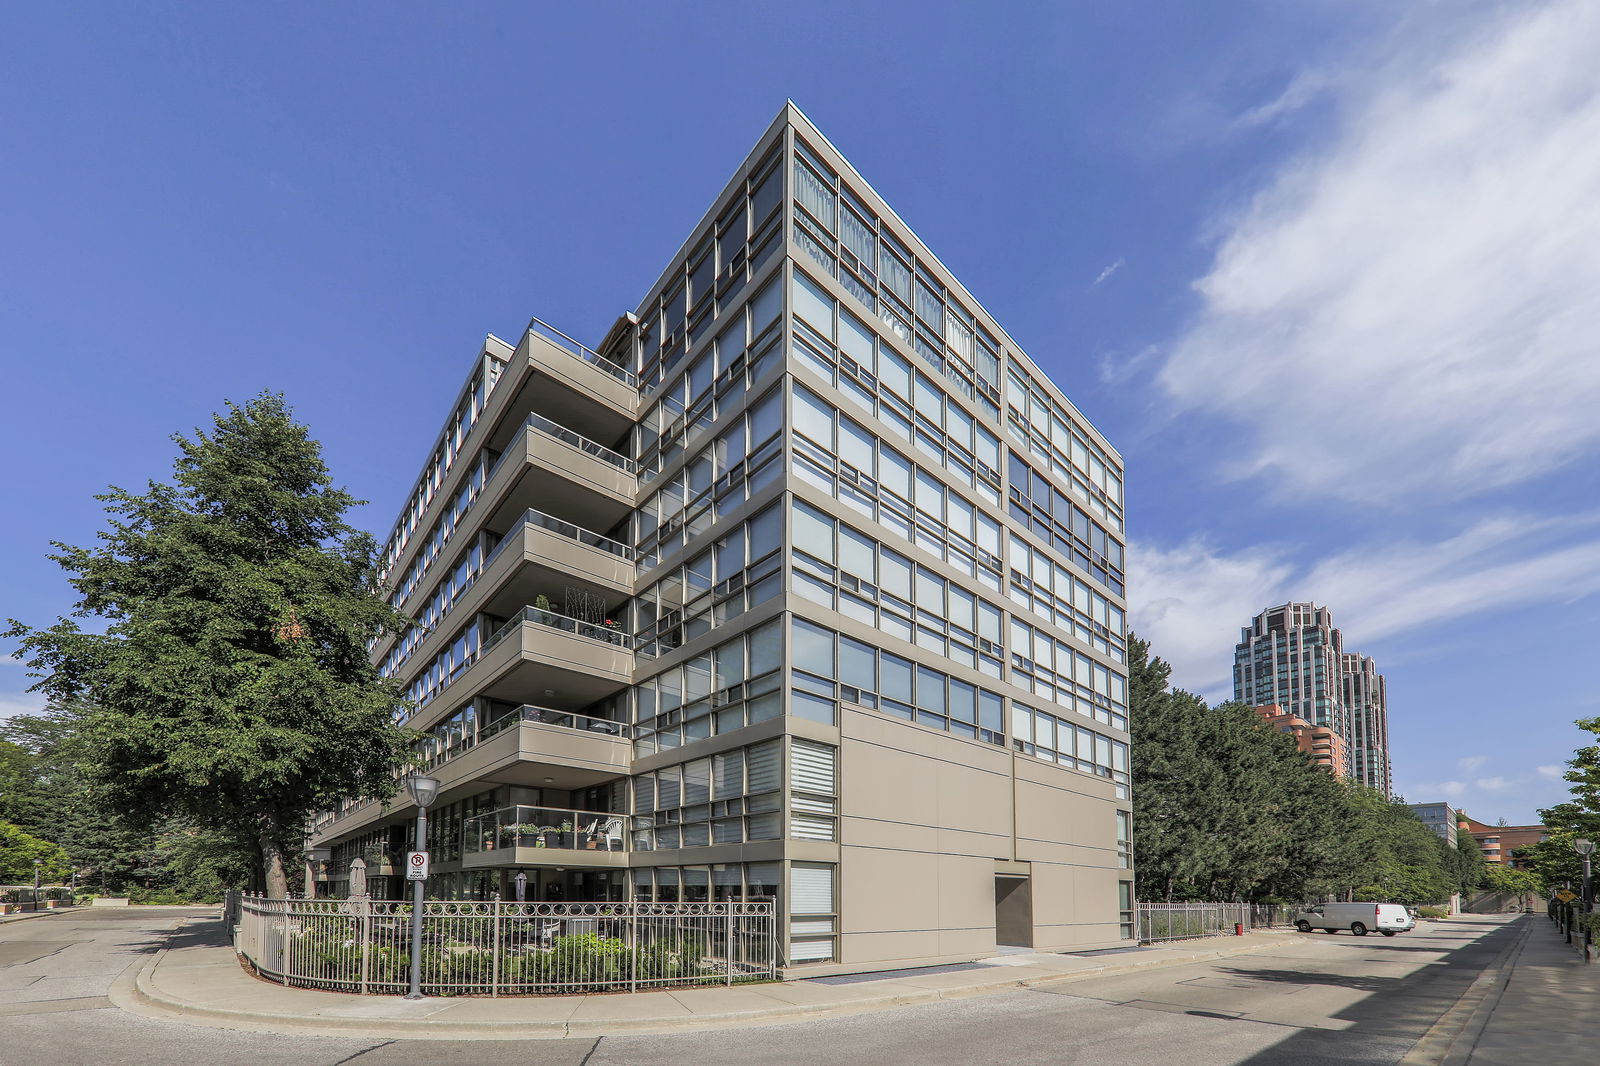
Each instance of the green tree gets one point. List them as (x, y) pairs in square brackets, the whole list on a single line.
[(1226, 808), (231, 687), (1405, 863), (1554, 857), (18, 850), (1512, 881), (1463, 864)]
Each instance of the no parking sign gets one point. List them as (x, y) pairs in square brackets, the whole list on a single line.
[(416, 866)]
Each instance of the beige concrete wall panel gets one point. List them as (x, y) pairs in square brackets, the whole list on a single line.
[(966, 893), (889, 891), (1074, 908)]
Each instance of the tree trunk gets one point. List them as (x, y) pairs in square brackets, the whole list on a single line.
[(272, 860)]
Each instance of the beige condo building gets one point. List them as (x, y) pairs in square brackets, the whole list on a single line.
[(803, 582)]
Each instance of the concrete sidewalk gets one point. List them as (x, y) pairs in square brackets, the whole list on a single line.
[(1546, 1010), (197, 978)]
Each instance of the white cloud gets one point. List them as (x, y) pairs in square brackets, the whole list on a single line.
[(1554, 773), (1189, 601), (1430, 793), (1419, 292), (1493, 784), (1106, 273), (1471, 763), (1197, 600)]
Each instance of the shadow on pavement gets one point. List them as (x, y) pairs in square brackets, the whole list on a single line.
[(1395, 1012)]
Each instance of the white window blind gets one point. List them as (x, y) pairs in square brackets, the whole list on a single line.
[(812, 766), (811, 888)]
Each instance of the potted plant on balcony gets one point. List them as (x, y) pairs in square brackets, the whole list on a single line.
[(515, 832)]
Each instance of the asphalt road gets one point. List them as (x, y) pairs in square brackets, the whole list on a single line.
[(1320, 999)]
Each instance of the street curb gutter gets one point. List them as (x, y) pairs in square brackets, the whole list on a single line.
[(1450, 1040), (135, 991)]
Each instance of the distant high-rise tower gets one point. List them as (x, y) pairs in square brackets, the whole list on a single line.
[(1290, 655), (1365, 696)]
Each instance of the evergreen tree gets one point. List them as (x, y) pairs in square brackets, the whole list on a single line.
[(231, 688), (1227, 808)]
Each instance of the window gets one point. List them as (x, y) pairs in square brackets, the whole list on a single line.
[(812, 913)]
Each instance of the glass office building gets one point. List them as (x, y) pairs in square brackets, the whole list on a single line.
[(802, 582)]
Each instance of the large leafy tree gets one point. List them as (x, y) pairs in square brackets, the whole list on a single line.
[(230, 687), (1226, 808), (1554, 857), (19, 851)]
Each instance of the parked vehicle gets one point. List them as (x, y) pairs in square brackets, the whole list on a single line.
[(1359, 918)]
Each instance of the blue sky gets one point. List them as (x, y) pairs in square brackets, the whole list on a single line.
[(1324, 272)]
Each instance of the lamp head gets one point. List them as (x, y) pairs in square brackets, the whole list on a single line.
[(423, 790), (1583, 847)]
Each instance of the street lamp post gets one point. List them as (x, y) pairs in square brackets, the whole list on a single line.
[(423, 791), (1585, 848)]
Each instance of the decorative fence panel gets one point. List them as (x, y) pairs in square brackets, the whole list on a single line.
[(495, 949), (1188, 921)]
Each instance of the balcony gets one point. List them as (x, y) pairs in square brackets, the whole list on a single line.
[(530, 744), (560, 550), (569, 373), (549, 466), (542, 836)]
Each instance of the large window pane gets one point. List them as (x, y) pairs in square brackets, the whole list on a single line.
[(813, 648), (813, 531), (858, 664), (813, 304), (813, 417), (895, 677)]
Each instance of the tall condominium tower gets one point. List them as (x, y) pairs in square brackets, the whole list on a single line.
[(1365, 696), (803, 582), (1289, 656)]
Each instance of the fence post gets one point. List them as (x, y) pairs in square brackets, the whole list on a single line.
[(727, 944), (364, 928), (494, 980), (633, 936)]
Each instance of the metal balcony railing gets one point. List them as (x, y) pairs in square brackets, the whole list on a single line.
[(577, 440), (587, 354), (560, 526), (604, 634)]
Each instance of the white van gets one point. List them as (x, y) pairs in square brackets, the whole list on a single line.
[(1359, 918)]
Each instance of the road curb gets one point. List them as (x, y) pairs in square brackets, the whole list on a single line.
[(136, 991), (1451, 1039)]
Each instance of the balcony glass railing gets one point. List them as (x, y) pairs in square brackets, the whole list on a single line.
[(603, 633), (531, 517), (555, 828), (588, 355), (577, 440), (463, 743)]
